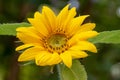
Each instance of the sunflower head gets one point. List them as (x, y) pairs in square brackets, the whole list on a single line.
[(53, 39)]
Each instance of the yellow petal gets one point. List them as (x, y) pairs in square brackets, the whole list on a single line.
[(75, 24), (55, 59), (27, 38), (69, 17), (42, 58), (62, 16), (84, 45), (86, 27), (66, 58), (29, 54), (78, 53), (82, 36), (82, 18), (40, 17), (39, 24), (87, 35), (23, 47), (28, 45), (37, 15), (28, 31), (28, 35), (50, 17)]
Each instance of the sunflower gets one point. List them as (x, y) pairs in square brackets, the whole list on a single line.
[(54, 39)]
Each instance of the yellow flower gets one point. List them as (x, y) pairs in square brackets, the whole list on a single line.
[(53, 39)]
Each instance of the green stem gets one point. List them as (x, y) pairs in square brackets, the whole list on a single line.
[(59, 72)]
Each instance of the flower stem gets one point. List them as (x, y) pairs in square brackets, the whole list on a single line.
[(59, 72)]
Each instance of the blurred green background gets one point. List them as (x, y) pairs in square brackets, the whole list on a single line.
[(102, 66)]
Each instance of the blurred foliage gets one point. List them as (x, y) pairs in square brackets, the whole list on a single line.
[(106, 15), (10, 29)]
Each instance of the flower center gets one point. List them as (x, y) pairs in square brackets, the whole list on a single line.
[(56, 42)]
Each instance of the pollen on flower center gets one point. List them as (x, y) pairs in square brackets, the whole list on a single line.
[(56, 42)]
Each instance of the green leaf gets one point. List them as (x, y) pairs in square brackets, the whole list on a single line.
[(107, 37), (10, 29), (76, 72)]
